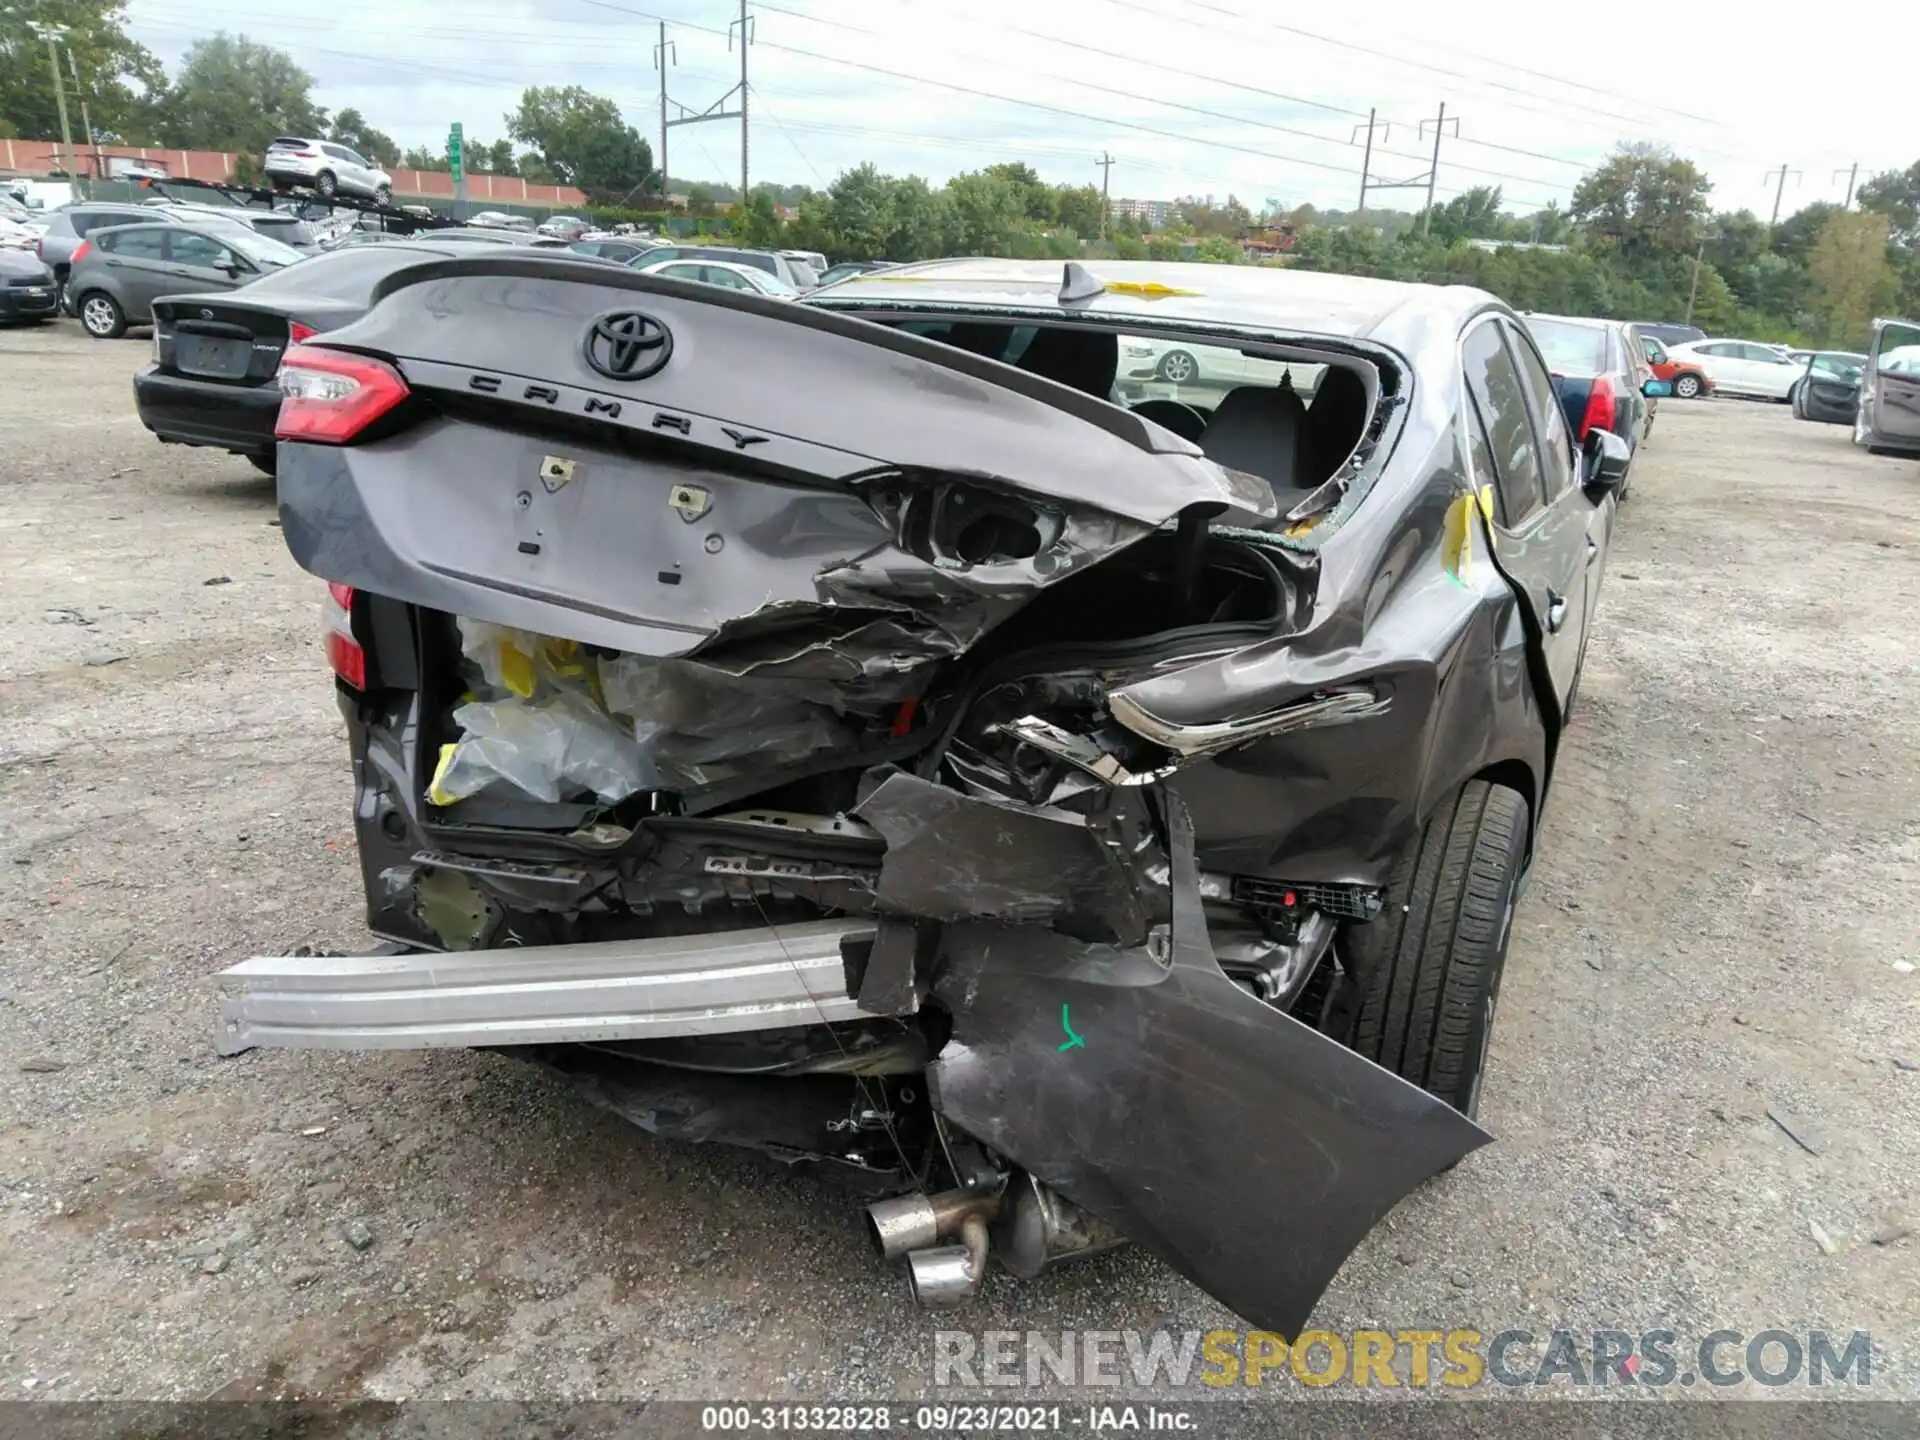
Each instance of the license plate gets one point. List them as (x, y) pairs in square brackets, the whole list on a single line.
[(216, 359)]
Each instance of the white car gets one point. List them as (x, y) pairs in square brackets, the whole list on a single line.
[(1743, 367), (326, 168), (722, 272), (1145, 361)]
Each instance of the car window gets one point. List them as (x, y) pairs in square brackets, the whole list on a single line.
[(1494, 384), (1655, 352), (192, 249), (1723, 351), (1760, 354), (717, 275), (1570, 349), (1843, 368), (85, 221), (356, 158), (1480, 456), (1549, 422), (146, 243)]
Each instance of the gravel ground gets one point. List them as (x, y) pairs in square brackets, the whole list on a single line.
[(1731, 869)]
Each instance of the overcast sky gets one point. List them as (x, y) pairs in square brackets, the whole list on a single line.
[(1188, 96)]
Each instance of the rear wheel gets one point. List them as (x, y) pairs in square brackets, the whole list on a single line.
[(1177, 367), (324, 185), (102, 316), (1427, 972), (262, 460), (1687, 386), (383, 195)]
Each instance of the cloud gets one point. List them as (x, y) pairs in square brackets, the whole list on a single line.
[(1209, 97)]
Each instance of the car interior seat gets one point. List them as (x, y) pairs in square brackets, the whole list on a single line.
[(1183, 420), (1334, 424), (1259, 429)]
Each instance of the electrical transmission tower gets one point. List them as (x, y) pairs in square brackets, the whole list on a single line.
[(664, 54), (1780, 189), (1418, 182)]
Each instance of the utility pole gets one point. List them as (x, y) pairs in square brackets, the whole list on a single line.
[(745, 23), (86, 120), (53, 35), (1694, 289), (718, 109), (663, 56), (1366, 161), (1852, 175), (1433, 175), (1779, 190), (1105, 162)]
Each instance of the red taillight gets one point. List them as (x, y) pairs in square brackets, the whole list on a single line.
[(330, 396), (296, 332), (1602, 406), (40, 247), (81, 251), (344, 653)]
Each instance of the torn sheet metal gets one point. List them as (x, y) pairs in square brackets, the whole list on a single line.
[(1248, 1151), (952, 856)]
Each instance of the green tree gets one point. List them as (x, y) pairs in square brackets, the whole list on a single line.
[(1644, 203), (1035, 199), (759, 226), (419, 157), (860, 205), (1896, 195), (1078, 208), (581, 139), (1230, 218), (233, 93), (987, 208), (1550, 226), (120, 78), (1472, 215), (1218, 250), (1850, 276), (350, 128)]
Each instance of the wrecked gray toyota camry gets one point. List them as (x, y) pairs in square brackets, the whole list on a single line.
[(1060, 746)]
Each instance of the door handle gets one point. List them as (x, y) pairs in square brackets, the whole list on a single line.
[(1556, 611), (1593, 551)]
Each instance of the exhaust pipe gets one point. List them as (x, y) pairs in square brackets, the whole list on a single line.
[(907, 1223), (946, 1275)]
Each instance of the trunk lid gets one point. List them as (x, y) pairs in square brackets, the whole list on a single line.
[(660, 467)]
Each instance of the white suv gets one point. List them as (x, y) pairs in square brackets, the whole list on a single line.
[(326, 168)]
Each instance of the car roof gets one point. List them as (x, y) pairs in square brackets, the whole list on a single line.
[(1583, 320), (1164, 291)]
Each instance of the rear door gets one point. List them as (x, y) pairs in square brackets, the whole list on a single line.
[(1891, 393), (138, 259), (1542, 515)]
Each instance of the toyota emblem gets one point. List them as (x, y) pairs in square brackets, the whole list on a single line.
[(628, 345)]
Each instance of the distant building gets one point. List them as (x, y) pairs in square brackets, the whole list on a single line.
[(1153, 214), (1512, 245)]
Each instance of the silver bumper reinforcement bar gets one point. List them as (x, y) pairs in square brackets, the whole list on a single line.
[(758, 979)]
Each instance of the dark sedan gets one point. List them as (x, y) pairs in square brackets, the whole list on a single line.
[(215, 356), (1830, 390), (1601, 374), (937, 770), (28, 289)]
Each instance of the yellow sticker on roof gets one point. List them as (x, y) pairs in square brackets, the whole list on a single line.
[(1145, 289)]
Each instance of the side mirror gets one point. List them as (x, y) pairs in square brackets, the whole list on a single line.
[(1606, 458), (1654, 389), (234, 269)]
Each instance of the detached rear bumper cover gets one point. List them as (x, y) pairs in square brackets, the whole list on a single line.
[(1247, 1150)]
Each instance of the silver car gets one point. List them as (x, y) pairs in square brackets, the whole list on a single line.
[(119, 271), (326, 168)]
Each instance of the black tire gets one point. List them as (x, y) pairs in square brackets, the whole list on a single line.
[(1686, 387), (100, 315), (1177, 367), (324, 185), (263, 460), (383, 195), (1427, 971)]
